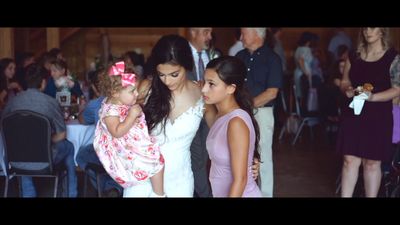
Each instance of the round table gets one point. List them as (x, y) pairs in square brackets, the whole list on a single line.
[(80, 135)]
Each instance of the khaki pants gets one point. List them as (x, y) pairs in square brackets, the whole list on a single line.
[(265, 120)]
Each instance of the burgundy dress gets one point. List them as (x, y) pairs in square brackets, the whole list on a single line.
[(368, 135)]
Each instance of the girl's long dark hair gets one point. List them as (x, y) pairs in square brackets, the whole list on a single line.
[(232, 70), (170, 49), (4, 62)]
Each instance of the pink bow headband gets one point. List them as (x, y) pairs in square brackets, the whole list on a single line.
[(118, 69)]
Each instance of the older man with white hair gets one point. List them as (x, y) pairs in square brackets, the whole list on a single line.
[(264, 79)]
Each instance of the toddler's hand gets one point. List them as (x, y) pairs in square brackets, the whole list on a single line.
[(135, 111)]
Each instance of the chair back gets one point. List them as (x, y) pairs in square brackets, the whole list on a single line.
[(296, 102), (283, 101), (3, 168), (27, 142), (301, 106), (396, 159)]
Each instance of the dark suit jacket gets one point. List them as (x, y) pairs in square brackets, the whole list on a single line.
[(192, 75)]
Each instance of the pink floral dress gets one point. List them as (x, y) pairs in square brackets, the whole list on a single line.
[(132, 158)]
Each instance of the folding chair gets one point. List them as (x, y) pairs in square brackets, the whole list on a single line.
[(98, 170), (285, 110), (309, 119), (3, 172), (391, 180), (27, 143)]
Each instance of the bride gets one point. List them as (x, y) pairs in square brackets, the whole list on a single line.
[(174, 108)]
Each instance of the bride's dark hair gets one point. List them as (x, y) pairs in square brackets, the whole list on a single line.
[(173, 50)]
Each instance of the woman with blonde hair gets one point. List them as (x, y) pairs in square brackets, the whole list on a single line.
[(366, 138)]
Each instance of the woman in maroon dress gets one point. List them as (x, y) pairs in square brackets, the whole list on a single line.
[(366, 138)]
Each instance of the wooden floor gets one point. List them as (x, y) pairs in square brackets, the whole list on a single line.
[(308, 169)]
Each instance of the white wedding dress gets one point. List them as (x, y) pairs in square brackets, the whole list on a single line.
[(175, 147)]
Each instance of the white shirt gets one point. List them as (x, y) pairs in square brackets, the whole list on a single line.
[(204, 57), (235, 48)]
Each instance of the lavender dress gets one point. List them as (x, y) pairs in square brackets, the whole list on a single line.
[(217, 145), (368, 135)]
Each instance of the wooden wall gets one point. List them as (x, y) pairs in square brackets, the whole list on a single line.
[(30, 40), (6, 42), (81, 48), (126, 39), (74, 50)]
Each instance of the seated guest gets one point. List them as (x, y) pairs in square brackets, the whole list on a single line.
[(60, 80), (8, 86), (33, 99), (134, 62), (93, 77), (23, 60), (45, 61), (57, 53), (86, 154)]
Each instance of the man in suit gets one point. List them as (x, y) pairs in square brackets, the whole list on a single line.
[(199, 41)]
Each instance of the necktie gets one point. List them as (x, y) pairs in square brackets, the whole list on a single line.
[(201, 67)]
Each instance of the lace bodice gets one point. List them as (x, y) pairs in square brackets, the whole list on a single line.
[(175, 147)]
